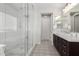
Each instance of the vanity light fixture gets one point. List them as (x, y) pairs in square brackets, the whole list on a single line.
[(69, 7), (57, 17)]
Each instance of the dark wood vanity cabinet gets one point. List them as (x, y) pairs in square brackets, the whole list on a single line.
[(64, 47)]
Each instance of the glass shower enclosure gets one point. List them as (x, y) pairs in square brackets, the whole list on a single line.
[(16, 28)]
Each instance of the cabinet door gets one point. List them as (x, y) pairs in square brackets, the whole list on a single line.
[(65, 46)]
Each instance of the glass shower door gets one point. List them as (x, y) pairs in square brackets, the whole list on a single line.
[(13, 31)]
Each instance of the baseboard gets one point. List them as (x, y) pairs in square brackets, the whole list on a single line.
[(30, 51)]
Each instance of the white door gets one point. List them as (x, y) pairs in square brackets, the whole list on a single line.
[(45, 34)]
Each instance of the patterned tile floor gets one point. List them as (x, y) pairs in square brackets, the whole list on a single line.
[(44, 49)]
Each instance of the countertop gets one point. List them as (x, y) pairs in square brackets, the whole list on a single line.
[(71, 37)]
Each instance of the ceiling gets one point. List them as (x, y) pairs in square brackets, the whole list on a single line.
[(54, 8), (49, 5)]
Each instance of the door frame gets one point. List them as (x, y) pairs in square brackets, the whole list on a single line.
[(51, 26)]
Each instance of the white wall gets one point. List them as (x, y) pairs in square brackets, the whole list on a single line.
[(35, 24)]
